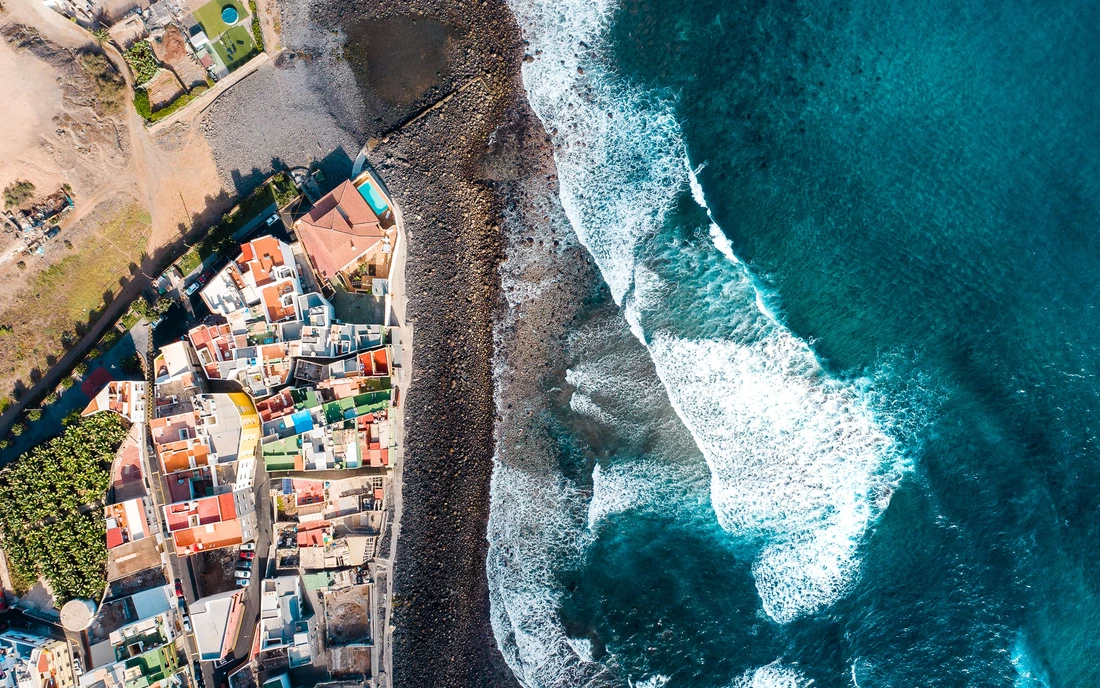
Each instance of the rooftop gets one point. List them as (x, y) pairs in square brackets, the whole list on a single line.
[(339, 229)]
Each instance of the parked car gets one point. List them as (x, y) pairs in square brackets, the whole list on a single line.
[(179, 588), (186, 623), (246, 554), (78, 668), (248, 547), (244, 565), (193, 288), (242, 574), (242, 582), (273, 219), (196, 671)]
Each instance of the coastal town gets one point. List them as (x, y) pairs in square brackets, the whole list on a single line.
[(249, 501), (207, 475)]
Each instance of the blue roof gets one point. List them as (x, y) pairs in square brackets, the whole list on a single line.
[(303, 422)]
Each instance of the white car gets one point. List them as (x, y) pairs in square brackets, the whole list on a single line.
[(244, 575), (249, 547), (242, 582)]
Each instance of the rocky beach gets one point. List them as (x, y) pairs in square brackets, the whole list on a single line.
[(434, 86)]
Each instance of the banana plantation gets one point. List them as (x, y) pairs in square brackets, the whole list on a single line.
[(51, 514)]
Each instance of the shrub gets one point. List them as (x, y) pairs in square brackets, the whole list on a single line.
[(81, 368), (177, 103), (257, 32), (18, 429), (131, 365), (67, 382), (93, 353), (4, 444), (109, 85), (22, 265), (34, 414), (141, 104), (17, 193), (142, 61)]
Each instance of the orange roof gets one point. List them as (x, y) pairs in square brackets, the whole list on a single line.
[(339, 229), (225, 503), (272, 296), (261, 256)]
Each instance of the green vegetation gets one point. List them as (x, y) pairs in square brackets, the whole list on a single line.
[(101, 35), (17, 193), (110, 89), (131, 365), (18, 429), (190, 261), (283, 187), (257, 32), (210, 17), (142, 61), (177, 104), (34, 414), (51, 520), (235, 47), (220, 239), (142, 105), (80, 369)]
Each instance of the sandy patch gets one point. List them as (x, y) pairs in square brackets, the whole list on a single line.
[(32, 98)]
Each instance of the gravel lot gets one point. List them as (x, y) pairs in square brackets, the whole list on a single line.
[(280, 115)]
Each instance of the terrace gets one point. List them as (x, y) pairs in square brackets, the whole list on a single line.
[(231, 41)]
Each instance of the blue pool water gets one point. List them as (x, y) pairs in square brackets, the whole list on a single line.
[(374, 198), (831, 418)]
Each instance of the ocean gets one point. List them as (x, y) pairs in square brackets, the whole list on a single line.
[(829, 414)]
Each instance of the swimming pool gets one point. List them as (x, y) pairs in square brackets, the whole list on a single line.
[(373, 196)]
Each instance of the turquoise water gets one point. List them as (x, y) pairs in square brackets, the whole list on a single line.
[(374, 198), (834, 418)]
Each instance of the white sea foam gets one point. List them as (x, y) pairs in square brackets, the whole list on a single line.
[(534, 532), (1030, 672), (800, 466), (774, 675), (655, 681)]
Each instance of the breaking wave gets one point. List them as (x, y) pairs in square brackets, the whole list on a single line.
[(800, 464), (774, 675)]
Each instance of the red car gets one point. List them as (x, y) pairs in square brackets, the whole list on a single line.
[(248, 555), (179, 588)]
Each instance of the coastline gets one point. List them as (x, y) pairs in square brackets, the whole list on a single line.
[(453, 140), (435, 163)]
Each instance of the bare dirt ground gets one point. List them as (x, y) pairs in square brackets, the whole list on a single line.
[(134, 193)]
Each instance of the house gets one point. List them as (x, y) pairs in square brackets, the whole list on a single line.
[(216, 621), (32, 661), (126, 398), (342, 234), (282, 625)]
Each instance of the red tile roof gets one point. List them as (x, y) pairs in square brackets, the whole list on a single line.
[(114, 537), (340, 228)]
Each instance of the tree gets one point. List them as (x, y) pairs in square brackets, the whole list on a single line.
[(17, 193), (18, 429), (34, 414), (71, 418), (101, 35), (81, 368)]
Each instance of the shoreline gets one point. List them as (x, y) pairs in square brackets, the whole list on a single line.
[(432, 157)]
